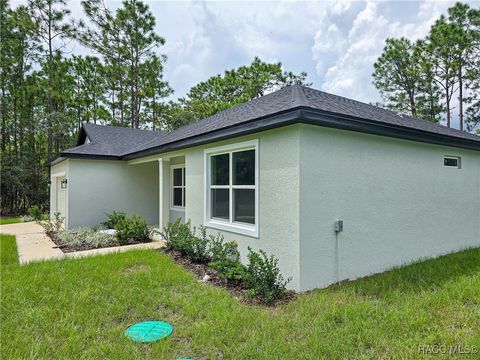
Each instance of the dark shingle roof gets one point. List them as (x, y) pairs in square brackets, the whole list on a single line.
[(314, 106), (110, 141)]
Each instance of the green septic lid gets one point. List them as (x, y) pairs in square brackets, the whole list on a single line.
[(149, 331)]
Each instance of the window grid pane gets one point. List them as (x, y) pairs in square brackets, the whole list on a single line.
[(244, 206), (220, 204), (178, 187), (243, 167), (220, 169), (177, 177)]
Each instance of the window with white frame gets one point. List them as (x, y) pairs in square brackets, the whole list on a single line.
[(231, 187), (177, 182), (451, 161)]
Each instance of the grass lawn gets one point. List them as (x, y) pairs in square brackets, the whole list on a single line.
[(10, 220), (80, 309)]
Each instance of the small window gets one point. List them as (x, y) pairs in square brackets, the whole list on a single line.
[(178, 186), (451, 161)]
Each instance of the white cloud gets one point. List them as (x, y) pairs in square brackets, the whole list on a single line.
[(344, 59)]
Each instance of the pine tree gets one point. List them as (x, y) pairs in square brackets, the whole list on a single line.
[(54, 32)]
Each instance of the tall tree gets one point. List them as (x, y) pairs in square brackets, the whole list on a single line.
[(138, 42), (234, 87), (156, 90), (398, 74), (105, 38), (423, 78), (128, 44), (90, 88), (442, 49), (55, 32), (465, 22)]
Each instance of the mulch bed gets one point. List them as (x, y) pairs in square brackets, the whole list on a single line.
[(235, 287), (68, 248)]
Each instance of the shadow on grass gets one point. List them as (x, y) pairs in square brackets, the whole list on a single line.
[(417, 277)]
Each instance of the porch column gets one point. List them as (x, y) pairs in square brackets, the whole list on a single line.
[(163, 192)]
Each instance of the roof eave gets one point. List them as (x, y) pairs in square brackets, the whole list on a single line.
[(313, 117), (322, 118), (90, 156)]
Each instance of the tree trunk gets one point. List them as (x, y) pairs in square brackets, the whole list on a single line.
[(447, 100), (15, 116), (460, 97), (412, 104), (121, 102), (50, 97), (4, 120)]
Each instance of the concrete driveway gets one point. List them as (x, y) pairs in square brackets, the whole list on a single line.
[(34, 245)]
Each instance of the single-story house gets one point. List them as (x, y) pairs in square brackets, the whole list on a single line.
[(283, 173)]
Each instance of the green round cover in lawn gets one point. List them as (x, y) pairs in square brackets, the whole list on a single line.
[(148, 331)]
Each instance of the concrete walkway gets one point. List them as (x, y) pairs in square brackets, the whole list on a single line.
[(34, 245)]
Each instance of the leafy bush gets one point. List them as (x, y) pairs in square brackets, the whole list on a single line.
[(176, 235), (263, 276), (83, 236), (134, 228), (53, 226), (198, 247), (36, 213), (181, 237), (225, 258), (114, 218)]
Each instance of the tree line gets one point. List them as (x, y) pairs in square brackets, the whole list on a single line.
[(47, 91), (435, 77)]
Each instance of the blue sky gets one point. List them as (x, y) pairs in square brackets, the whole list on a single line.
[(335, 42)]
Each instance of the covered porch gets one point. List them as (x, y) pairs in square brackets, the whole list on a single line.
[(171, 187)]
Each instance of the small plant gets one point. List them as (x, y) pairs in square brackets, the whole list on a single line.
[(198, 247), (134, 228), (176, 235), (114, 218), (53, 226), (225, 258), (263, 277), (36, 213), (82, 236)]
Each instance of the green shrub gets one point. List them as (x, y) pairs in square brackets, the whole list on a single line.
[(134, 228), (53, 226), (176, 235), (263, 276), (225, 258), (36, 213), (198, 247), (114, 218), (181, 237), (84, 236)]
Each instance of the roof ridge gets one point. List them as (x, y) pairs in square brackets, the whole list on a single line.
[(121, 127), (298, 96)]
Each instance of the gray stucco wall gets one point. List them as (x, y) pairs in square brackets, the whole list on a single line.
[(278, 197), (398, 202), (100, 186)]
